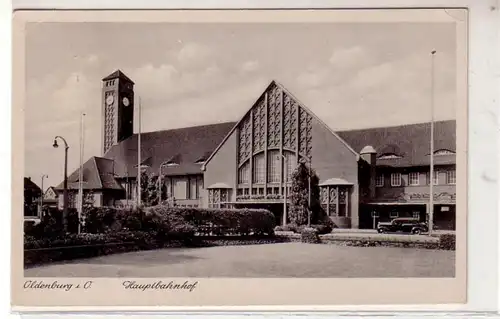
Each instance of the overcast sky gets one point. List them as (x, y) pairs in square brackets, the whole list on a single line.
[(352, 75)]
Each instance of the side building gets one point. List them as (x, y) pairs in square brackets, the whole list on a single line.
[(365, 175)]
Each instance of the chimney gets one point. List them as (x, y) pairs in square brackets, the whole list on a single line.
[(369, 155)]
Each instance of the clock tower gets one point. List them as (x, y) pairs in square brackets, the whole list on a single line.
[(117, 109)]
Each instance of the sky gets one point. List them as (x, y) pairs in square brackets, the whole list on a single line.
[(351, 75)]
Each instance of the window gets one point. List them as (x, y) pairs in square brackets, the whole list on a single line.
[(379, 180), (389, 156), (451, 177), (413, 178), (192, 188), (416, 215), (436, 178), (443, 152), (259, 169), (244, 174), (394, 215), (396, 179), (291, 163), (180, 188), (218, 197), (273, 165)]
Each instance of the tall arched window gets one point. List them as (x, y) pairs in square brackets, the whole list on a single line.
[(244, 174), (291, 163), (273, 166), (259, 169)]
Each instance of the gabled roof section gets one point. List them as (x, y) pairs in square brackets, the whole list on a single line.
[(29, 185), (281, 87), (409, 143), (118, 74), (97, 174), (183, 145)]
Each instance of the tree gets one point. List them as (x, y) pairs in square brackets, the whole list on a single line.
[(299, 195), (149, 189)]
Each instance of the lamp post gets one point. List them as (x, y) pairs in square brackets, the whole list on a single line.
[(431, 179), (41, 196), (159, 182), (65, 183)]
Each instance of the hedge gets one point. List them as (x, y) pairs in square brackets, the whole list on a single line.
[(219, 222), (109, 230)]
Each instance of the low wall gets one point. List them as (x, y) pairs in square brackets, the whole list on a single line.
[(372, 240)]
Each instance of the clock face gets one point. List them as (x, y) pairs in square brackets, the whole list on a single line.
[(110, 99), (126, 102)]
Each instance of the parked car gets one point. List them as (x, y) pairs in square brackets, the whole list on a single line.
[(404, 225)]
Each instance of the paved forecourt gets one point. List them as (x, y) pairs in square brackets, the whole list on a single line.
[(271, 260)]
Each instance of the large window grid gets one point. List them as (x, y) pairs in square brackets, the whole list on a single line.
[(259, 169), (335, 200), (244, 174), (218, 197), (273, 166)]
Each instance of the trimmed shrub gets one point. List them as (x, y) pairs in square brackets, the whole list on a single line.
[(310, 235), (447, 241), (218, 222)]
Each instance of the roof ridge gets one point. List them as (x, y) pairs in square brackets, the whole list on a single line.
[(395, 126)]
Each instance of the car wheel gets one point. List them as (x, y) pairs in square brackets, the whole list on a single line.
[(381, 231), (417, 231)]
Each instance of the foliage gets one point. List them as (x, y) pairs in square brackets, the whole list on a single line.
[(447, 241), (51, 223), (299, 195), (218, 221), (108, 230), (149, 189), (309, 235)]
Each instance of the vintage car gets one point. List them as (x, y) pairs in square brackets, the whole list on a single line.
[(404, 225)]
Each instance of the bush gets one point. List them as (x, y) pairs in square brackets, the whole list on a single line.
[(217, 222), (447, 241), (323, 228), (51, 224), (310, 235)]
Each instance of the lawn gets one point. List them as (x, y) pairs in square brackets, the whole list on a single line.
[(272, 260)]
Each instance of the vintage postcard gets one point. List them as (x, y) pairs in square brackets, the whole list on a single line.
[(239, 158)]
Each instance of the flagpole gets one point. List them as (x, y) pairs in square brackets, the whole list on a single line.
[(80, 177), (431, 182), (139, 158)]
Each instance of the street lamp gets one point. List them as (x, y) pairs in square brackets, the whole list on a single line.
[(41, 195), (65, 183)]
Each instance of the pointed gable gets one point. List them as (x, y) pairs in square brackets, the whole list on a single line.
[(276, 118)]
